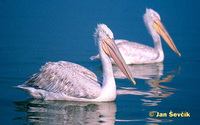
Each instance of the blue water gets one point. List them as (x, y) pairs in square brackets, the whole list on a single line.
[(34, 32)]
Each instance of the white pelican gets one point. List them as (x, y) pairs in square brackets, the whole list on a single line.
[(68, 81), (135, 53)]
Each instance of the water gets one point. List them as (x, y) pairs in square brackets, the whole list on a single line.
[(34, 32)]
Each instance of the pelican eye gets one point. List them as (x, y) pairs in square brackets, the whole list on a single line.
[(156, 16)]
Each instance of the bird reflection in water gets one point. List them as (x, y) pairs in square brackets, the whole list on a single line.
[(152, 74), (65, 112)]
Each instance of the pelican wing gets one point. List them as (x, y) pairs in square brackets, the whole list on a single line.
[(116, 42), (136, 53), (66, 78)]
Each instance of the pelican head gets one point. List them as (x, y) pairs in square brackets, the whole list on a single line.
[(153, 22), (103, 32), (151, 15), (105, 39)]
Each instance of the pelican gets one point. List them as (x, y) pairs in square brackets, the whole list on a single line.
[(136, 53), (69, 81)]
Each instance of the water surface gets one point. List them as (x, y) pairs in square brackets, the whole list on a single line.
[(35, 32)]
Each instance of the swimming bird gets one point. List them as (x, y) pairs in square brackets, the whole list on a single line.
[(69, 81), (136, 53)]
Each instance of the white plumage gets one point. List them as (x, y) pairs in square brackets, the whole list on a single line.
[(68, 81), (136, 53), (57, 79)]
